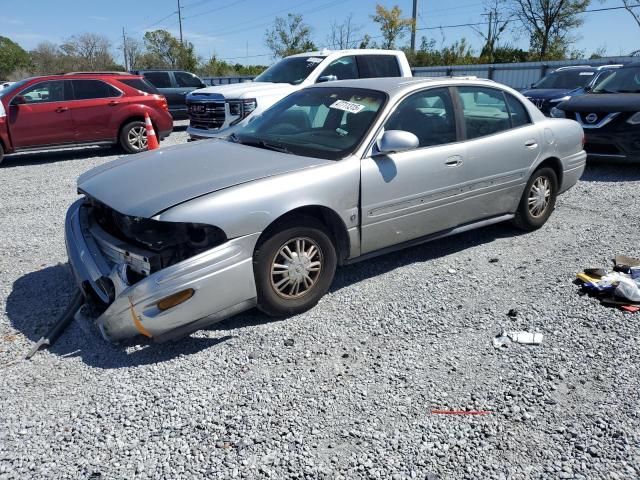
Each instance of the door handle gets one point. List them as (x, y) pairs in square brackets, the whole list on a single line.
[(531, 144), (113, 103), (61, 109), (454, 161)]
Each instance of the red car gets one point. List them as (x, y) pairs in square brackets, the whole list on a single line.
[(74, 109)]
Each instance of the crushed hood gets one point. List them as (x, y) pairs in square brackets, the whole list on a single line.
[(245, 90), (146, 184)]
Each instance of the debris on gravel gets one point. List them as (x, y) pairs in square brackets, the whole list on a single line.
[(396, 338)]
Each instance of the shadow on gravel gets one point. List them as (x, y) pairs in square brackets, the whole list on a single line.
[(611, 172), (40, 158), (38, 298)]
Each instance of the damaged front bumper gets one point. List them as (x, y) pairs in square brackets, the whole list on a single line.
[(220, 282)]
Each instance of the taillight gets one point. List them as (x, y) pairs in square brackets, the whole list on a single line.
[(584, 140), (163, 103)]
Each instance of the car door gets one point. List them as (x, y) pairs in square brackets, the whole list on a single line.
[(414, 193), (502, 144), (94, 104), (39, 115)]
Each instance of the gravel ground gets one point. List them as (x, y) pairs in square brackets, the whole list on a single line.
[(347, 389)]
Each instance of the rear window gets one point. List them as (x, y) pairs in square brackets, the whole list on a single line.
[(140, 84), (87, 89), (159, 79), (184, 79), (374, 66)]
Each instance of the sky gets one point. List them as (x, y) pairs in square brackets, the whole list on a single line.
[(234, 29)]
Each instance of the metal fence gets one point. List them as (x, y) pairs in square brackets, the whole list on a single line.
[(516, 75), (227, 80)]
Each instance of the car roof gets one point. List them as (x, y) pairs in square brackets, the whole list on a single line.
[(391, 85), (353, 51)]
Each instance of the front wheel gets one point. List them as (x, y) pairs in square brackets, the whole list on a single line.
[(294, 267), (538, 200), (133, 137)]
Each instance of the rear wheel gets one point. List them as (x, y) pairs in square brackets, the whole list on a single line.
[(133, 137), (538, 200), (294, 267), (1, 153)]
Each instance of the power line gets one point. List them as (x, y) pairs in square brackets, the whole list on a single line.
[(207, 12)]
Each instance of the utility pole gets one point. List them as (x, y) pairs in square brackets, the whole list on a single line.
[(124, 50), (413, 27), (180, 20)]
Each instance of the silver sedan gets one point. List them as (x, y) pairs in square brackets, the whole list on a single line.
[(171, 241)]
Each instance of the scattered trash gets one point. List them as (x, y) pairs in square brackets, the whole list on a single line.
[(461, 412), (504, 339), (452, 270), (619, 288), (494, 260), (513, 313)]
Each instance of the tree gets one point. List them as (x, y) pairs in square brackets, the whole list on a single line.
[(497, 23), (12, 57), (134, 52), (633, 7), (550, 23), (289, 36), (163, 50), (88, 51), (392, 26), (343, 36)]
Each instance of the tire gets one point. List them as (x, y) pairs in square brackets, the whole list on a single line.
[(535, 208), (133, 137), (1, 153), (286, 286)]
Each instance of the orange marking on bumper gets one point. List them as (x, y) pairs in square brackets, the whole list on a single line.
[(137, 322)]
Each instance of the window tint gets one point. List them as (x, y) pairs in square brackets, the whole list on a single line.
[(484, 110), (140, 84), (565, 79), (517, 112), (293, 70), (158, 79), (344, 68), (184, 79), (44, 92), (429, 115), (87, 89), (371, 66)]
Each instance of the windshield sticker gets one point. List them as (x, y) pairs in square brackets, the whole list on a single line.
[(588, 74), (347, 106), (314, 60)]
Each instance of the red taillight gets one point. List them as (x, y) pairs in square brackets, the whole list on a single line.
[(163, 103)]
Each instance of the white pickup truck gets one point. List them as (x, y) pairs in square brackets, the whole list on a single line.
[(219, 110)]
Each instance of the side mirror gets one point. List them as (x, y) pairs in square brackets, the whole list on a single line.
[(394, 141), (202, 85), (327, 78), (587, 88), (18, 100)]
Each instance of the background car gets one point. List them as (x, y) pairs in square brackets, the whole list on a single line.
[(564, 83), (4, 84), (222, 109), (335, 173), (610, 115), (175, 85), (75, 109)]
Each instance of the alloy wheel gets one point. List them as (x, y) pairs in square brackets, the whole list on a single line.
[(296, 267), (539, 196), (137, 138)]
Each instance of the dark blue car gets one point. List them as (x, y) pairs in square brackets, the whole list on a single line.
[(564, 83)]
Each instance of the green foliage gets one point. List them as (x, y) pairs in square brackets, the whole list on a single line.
[(289, 36), (392, 26), (219, 68), (163, 50), (12, 57)]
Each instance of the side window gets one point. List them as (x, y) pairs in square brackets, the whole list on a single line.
[(344, 68), (184, 79), (428, 114), (158, 79), (44, 92), (88, 89), (484, 110), (374, 66), (517, 112)]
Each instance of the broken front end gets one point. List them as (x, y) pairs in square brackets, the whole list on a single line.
[(158, 279)]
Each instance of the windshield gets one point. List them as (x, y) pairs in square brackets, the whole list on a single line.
[(326, 123), (293, 70), (13, 87), (624, 80), (565, 80)]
